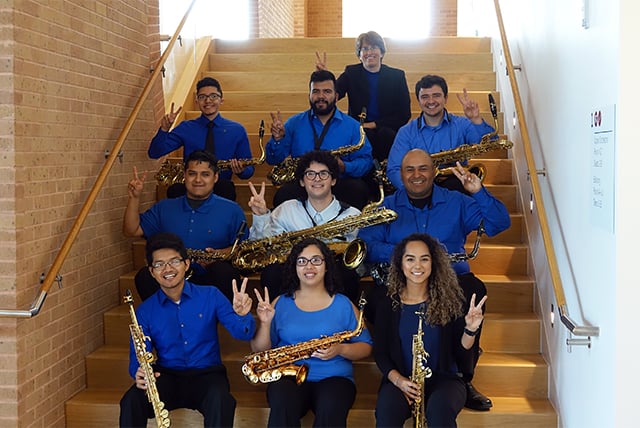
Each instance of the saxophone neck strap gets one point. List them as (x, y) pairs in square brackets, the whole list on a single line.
[(317, 141)]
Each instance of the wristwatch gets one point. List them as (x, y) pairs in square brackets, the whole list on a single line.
[(471, 333)]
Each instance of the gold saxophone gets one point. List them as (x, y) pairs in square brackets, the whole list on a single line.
[(272, 364), (173, 172), (285, 171), (257, 254), (419, 371), (145, 358)]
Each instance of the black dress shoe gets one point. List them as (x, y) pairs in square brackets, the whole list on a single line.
[(476, 400)]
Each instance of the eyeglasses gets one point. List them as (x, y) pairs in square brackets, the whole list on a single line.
[(212, 97), (369, 48), (160, 265), (315, 260), (311, 174)]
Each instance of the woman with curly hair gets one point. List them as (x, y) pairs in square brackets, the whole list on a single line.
[(423, 284), (309, 308)]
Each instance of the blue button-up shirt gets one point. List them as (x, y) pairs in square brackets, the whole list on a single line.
[(231, 141), (185, 334)]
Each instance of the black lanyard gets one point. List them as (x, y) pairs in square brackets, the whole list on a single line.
[(317, 141), (343, 207)]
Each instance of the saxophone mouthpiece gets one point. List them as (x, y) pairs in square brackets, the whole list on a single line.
[(363, 115), (492, 107), (261, 130)]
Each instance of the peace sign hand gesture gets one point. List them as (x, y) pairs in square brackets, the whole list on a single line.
[(471, 107), (265, 310), (469, 180), (136, 184), (241, 300), (474, 317), (321, 61), (257, 203), (167, 120), (277, 126)]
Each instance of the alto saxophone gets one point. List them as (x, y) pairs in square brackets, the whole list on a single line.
[(145, 359), (173, 172), (419, 371), (285, 171), (272, 364)]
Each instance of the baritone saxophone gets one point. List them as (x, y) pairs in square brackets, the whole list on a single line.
[(419, 372), (272, 364), (145, 359)]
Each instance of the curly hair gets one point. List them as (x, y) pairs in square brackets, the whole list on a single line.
[(444, 293), (320, 156), (291, 282)]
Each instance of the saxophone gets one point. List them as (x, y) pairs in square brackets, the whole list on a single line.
[(257, 254), (272, 364), (285, 171), (172, 172), (419, 371), (145, 358)]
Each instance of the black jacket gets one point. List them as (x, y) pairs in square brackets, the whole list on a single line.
[(394, 104)]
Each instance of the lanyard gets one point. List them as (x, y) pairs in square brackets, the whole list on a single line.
[(317, 141)]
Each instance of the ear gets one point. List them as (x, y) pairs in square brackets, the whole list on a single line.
[(216, 175), (187, 264), (333, 182), (302, 182)]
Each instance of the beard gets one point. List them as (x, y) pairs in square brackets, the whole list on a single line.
[(323, 111)]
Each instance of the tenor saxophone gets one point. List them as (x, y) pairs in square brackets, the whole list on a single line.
[(419, 371), (285, 171), (145, 359), (270, 365), (172, 172)]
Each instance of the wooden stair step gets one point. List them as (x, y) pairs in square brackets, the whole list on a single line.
[(99, 408), (347, 45), (441, 63), (296, 80)]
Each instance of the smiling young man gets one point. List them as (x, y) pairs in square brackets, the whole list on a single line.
[(322, 127), (203, 220), (436, 129), (181, 321), (230, 140), (315, 173), (446, 215)]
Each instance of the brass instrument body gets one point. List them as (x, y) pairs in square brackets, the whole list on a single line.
[(419, 372), (285, 171), (173, 172), (270, 365), (145, 359)]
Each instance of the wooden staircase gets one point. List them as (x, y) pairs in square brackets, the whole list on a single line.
[(264, 75)]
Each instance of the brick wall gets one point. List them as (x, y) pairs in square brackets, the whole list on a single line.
[(71, 73), (324, 18)]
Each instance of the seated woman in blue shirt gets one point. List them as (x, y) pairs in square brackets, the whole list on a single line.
[(311, 307), (423, 284)]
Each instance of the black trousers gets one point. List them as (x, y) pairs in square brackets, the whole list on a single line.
[(444, 398), (353, 191), (271, 277), (219, 274), (381, 140), (206, 391), (329, 399)]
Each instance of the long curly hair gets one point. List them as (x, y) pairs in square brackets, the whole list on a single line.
[(444, 293), (291, 282)]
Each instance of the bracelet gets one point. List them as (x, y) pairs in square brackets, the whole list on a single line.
[(471, 333)]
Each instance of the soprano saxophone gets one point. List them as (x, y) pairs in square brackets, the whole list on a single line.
[(173, 172), (285, 171), (270, 365), (145, 359), (419, 371)]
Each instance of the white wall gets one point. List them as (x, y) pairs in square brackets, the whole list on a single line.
[(567, 71)]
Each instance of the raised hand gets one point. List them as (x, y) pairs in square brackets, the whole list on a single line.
[(136, 184), (257, 203), (265, 310), (474, 316), (241, 300), (321, 61), (469, 180), (167, 120), (471, 107), (277, 126)]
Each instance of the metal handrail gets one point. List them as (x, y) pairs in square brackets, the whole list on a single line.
[(52, 275), (556, 281)]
